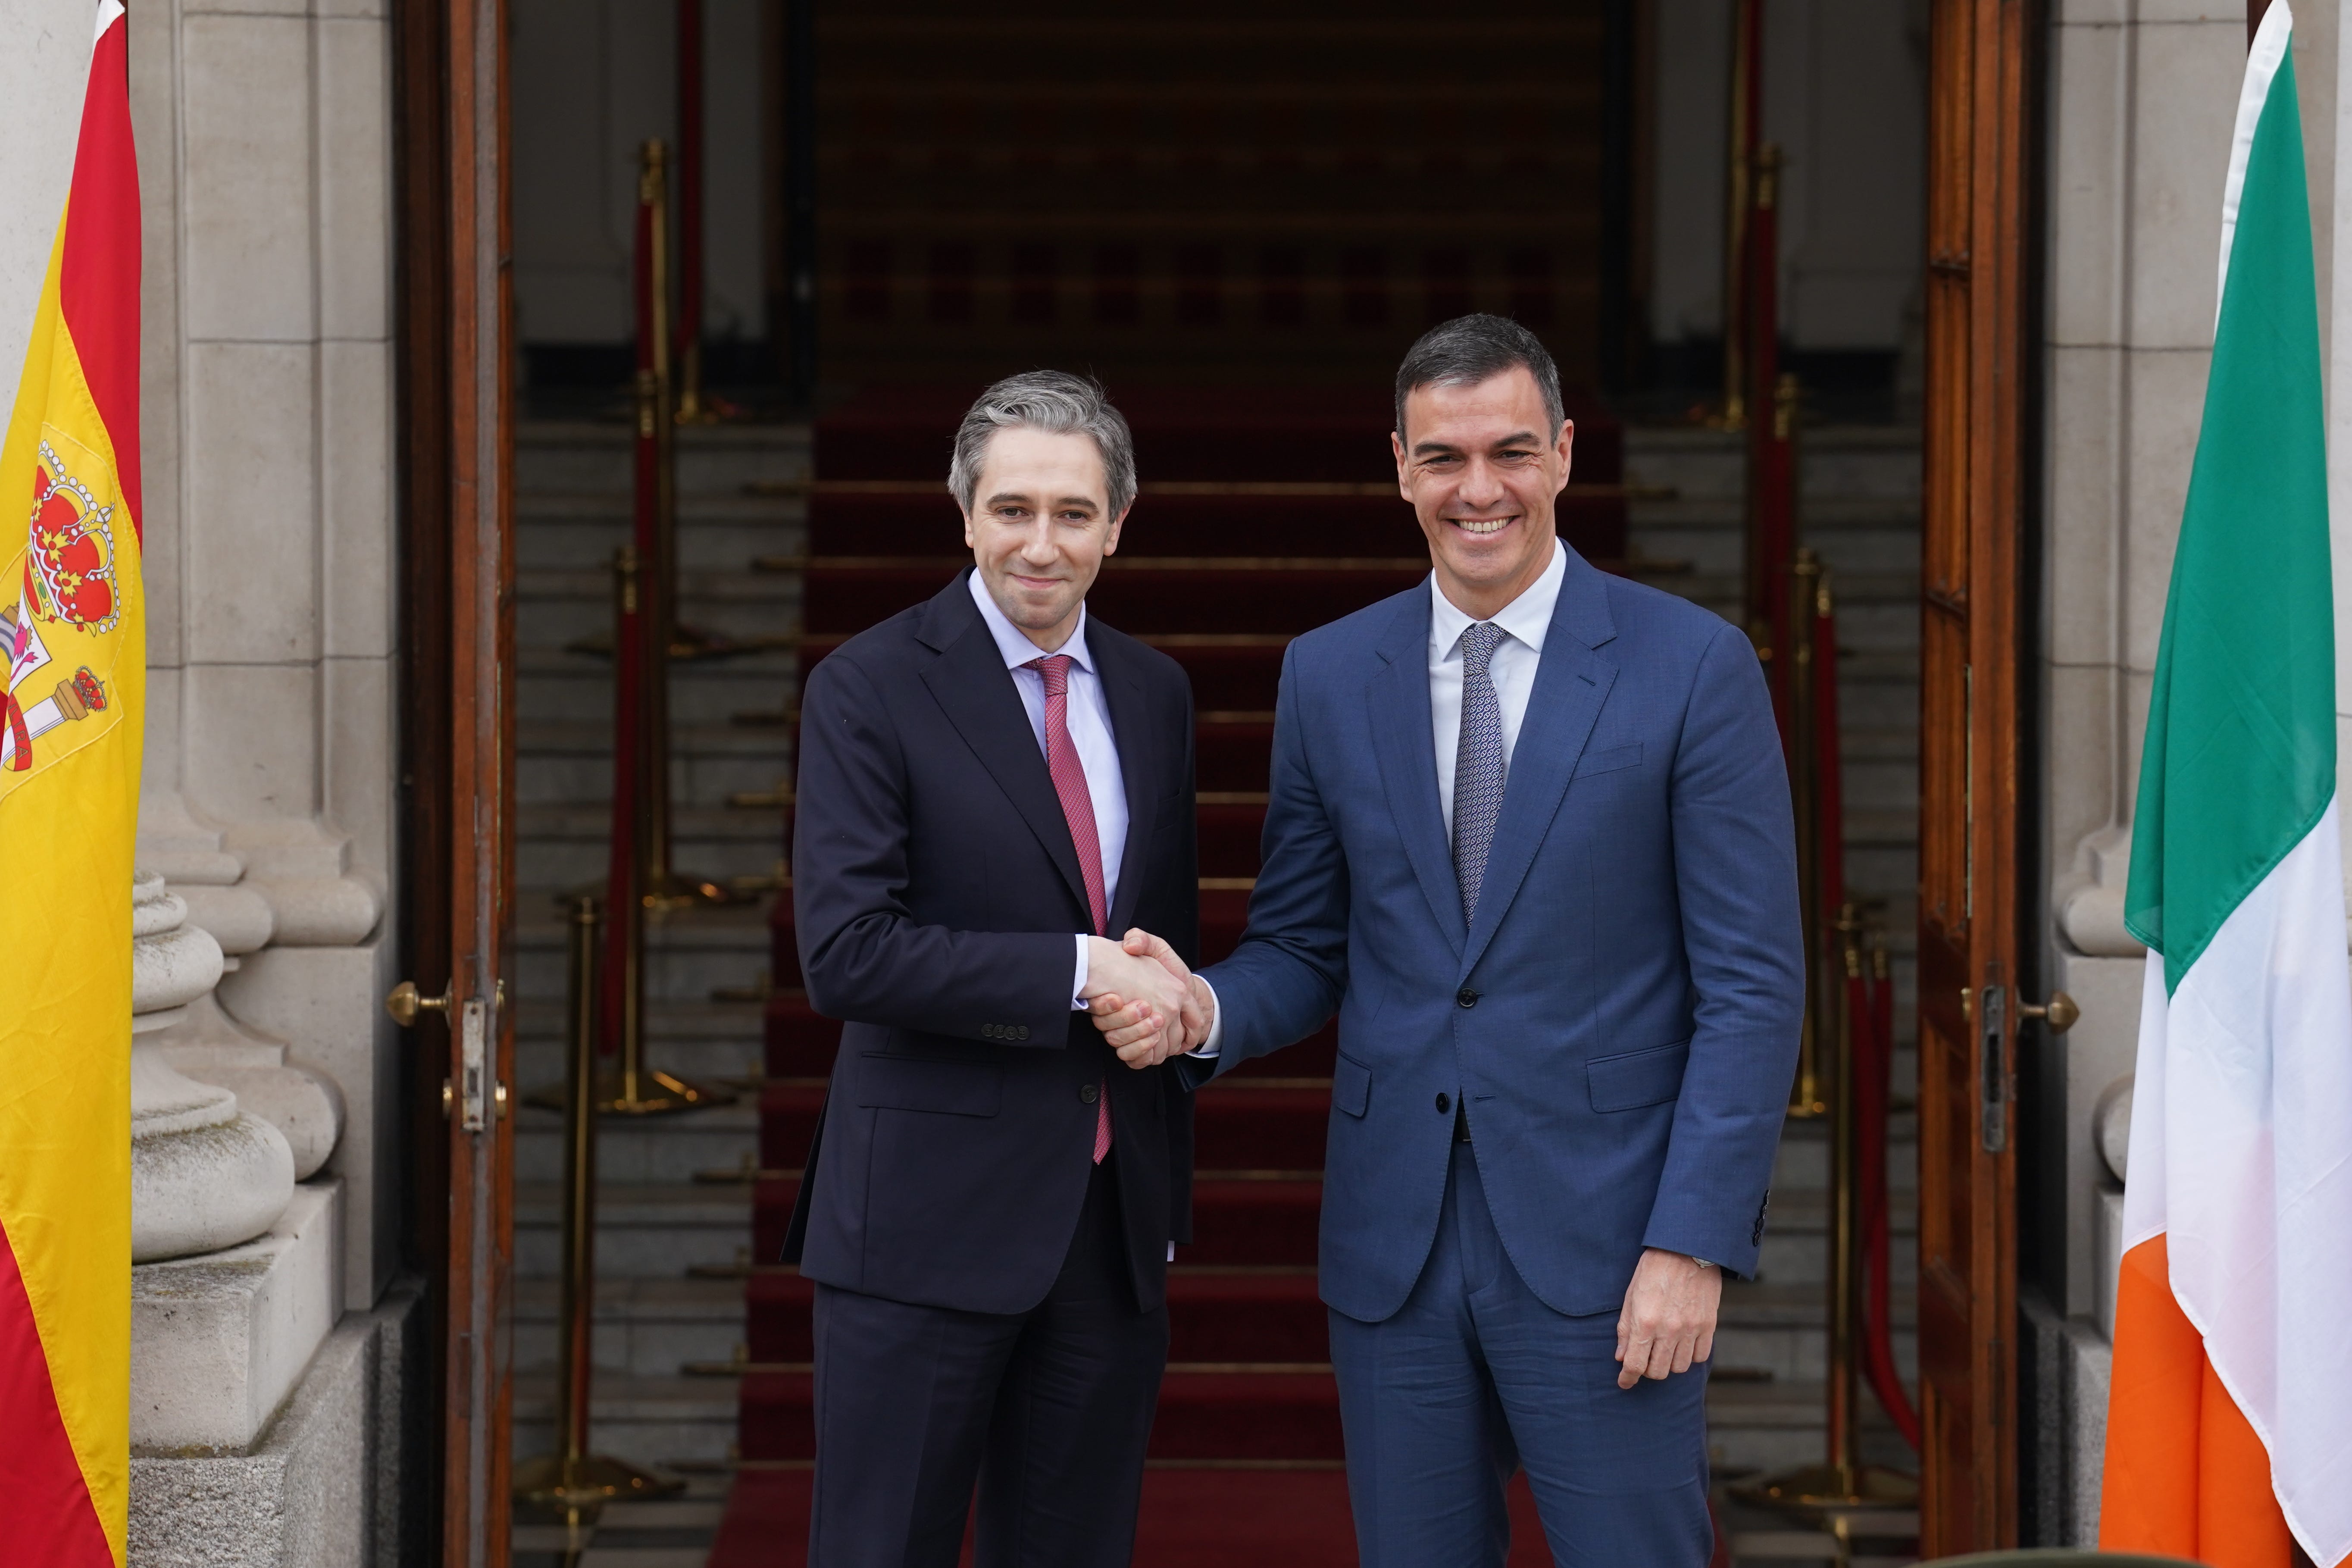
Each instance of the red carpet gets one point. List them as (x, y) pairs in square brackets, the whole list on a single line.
[(1190, 1519), (1220, 580)]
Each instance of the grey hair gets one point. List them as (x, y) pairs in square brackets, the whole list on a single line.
[(1468, 350), (1058, 403)]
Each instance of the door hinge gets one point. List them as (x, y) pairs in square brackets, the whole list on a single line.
[(1992, 1061), (474, 1065)]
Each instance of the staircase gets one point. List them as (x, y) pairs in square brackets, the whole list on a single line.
[(1246, 1448), (1861, 510), (1223, 177), (1245, 1451), (672, 1243)]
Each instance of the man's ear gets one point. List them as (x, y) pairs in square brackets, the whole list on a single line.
[(1567, 451), (1110, 538), (969, 542), (1396, 446)]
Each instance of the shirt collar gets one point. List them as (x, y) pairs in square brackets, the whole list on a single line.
[(1526, 617), (1015, 644)]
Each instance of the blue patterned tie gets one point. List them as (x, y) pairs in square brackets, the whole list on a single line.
[(1477, 764)]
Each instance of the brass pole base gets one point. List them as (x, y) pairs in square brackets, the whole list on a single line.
[(667, 892), (687, 643), (1822, 1490), (659, 1094), (589, 1481)]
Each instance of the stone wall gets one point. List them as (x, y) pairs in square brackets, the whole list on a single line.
[(1845, 97), (592, 80), (266, 159)]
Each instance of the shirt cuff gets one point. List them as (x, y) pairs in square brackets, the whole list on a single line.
[(1207, 1049), (1078, 981)]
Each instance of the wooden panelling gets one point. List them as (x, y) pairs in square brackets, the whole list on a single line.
[(1980, 145)]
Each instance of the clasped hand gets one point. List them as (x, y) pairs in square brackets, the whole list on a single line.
[(1147, 1004)]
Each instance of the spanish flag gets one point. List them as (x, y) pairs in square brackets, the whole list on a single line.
[(2229, 1420), (74, 633)]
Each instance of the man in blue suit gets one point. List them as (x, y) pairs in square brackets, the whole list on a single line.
[(1529, 832)]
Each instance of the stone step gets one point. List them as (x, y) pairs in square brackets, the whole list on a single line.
[(569, 763), (714, 533), (577, 687), (683, 967), (560, 609), (598, 456), (1774, 1426), (643, 1230), (1780, 1329), (650, 1421), (569, 845), (639, 1150), (644, 1328)]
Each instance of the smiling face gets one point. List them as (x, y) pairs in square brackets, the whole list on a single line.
[(1039, 526), (1482, 477)]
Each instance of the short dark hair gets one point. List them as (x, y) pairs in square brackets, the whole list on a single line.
[(1470, 349), (1058, 403)]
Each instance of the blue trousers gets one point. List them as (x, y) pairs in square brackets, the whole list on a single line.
[(1474, 1378)]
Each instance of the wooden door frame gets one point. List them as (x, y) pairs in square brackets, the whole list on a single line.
[(455, 416), (1975, 885)]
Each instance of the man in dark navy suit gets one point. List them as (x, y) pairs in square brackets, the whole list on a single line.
[(990, 782), (1528, 834)]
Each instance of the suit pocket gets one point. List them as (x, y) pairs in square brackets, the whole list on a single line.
[(1638, 1077), (1351, 1085), (1609, 760), (955, 1088)]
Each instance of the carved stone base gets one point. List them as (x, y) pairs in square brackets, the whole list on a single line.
[(334, 1482), (218, 1342)]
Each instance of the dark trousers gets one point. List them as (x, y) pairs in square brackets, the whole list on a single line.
[(1049, 1411), (1474, 1377)]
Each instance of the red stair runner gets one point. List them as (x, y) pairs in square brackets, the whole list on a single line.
[(1247, 1445)]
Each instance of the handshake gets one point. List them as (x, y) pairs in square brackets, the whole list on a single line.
[(1149, 1006)]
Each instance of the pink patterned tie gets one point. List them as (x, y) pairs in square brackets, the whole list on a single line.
[(1078, 811)]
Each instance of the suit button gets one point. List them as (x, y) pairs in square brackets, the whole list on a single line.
[(1089, 1093), (1466, 997), (1020, 1031), (988, 1031), (1444, 1104)]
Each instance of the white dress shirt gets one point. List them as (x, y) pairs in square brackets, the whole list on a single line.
[(1512, 668), (1090, 734)]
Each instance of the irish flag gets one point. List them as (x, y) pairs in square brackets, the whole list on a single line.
[(2230, 1425), (73, 632)]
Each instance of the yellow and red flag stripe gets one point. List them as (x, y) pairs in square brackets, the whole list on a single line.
[(73, 634)]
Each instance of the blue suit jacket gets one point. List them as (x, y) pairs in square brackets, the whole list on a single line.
[(1621, 1021)]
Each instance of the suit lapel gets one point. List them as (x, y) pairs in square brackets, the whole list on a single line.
[(1139, 764), (1397, 701), (972, 686), (1572, 682)]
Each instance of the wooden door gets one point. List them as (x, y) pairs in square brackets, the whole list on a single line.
[(1982, 51), (457, 741)]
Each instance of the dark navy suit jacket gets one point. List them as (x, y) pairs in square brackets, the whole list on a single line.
[(1623, 1018), (937, 891)]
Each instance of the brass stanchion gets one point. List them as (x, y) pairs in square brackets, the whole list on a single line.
[(1844, 1483), (1805, 1098), (637, 1090), (573, 1481), (662, 887)]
